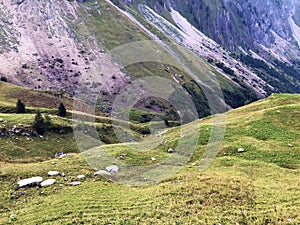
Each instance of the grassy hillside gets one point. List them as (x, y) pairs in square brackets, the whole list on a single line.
[(258, 186), (16, 147), (9, 94)]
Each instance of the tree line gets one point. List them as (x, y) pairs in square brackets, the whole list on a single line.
[(40, 123)]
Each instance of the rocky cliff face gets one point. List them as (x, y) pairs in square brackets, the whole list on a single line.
[(242, 23), (245, 23)]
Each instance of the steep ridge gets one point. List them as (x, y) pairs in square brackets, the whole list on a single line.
[(263, 38), (62, 46)]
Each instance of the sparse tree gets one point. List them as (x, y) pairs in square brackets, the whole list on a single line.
[(20, 107), (62, 110), (39, 123), (48, 123)]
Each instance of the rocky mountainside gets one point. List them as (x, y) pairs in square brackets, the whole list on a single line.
[(264, 36), (59, 46), (245, 23), (242, 23)]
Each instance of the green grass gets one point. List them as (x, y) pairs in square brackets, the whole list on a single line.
[(258, 186), (9, 94)]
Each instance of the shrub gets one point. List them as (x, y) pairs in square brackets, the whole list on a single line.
[(4, 79), (39, 123)]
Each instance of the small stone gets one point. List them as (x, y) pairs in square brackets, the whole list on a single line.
[(13, 217), (62, 174), (53, 173), (112, 169), (153, 159), (170, 150), (53, 163), (21, 193), (75, 183), (240, 150), (60, 155), (290, 145), (80, 177), (122, 156), (48, 182)]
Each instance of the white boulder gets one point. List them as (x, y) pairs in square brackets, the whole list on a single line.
[(53, 173), (102, 173), (75, 183), (30, 181), (80, 177), (241, 150), (170, 150), (112, 169), (48, 182)]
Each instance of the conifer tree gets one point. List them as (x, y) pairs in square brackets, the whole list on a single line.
[(62, 110), (20, 107)]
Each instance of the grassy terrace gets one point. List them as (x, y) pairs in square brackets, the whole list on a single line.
[(258, 186)]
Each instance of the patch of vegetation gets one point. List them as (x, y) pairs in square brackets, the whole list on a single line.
[(277, 79), (225, 68), (39, 124)]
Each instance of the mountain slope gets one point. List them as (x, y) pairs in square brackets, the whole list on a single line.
[(235, 189), (263, 38), (61, 47)]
